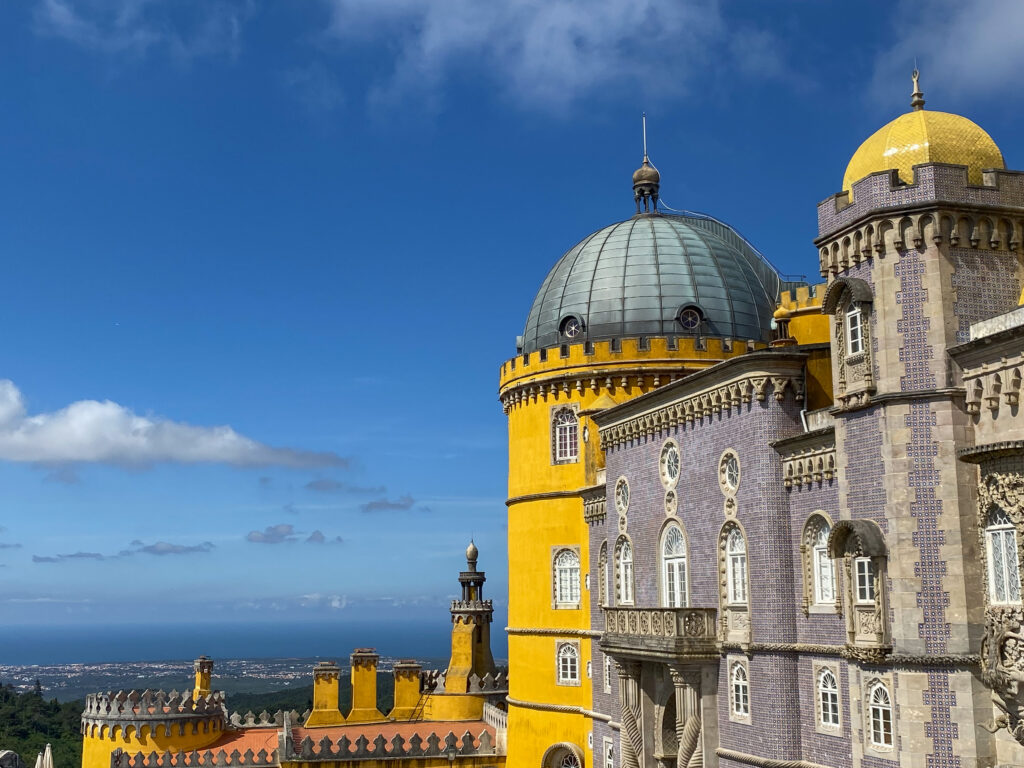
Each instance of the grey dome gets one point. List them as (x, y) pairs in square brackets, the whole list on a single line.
[(633, 279)]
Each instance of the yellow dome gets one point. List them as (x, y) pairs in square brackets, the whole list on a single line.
[(924, 136)]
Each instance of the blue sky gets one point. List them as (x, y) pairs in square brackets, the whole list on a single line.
[(264, 259)]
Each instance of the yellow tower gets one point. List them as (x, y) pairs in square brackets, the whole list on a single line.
[(631, 307)]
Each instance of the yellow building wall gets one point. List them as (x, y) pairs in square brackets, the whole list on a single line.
[(538, 526), (98, 742)]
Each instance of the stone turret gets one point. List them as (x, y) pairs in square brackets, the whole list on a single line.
[(471, 629)]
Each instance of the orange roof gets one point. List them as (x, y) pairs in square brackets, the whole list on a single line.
[(390, 730), (246, 738)]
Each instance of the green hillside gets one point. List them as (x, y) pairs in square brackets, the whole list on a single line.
[(28, 722)]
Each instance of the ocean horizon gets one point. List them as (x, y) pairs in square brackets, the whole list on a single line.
[(25, 645)]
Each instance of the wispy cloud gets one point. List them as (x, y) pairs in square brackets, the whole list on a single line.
[(273, 534), (315, 87), (160, 548), (62, 476), (185, 30), (91, 431), (326, 485), (9, 546), (388, 505), (548, 53), (318, 537), (967, 63)]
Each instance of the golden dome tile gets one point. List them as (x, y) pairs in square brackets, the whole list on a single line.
[(924, 136)]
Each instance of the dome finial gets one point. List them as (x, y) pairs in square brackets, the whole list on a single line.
[(471, 555), (916, 98), (646, 181)]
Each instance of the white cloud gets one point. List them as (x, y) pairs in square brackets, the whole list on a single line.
[(91, 431), (185, 30), (961, 48), (550, 52)]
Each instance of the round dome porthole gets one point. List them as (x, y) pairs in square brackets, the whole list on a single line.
[(572, 327), (690, 319)]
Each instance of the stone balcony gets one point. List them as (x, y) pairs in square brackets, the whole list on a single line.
[(660, 633)]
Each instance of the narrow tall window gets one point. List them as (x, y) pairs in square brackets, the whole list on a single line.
[(736, 565), (625, 573), (828, 699), (854, 332), (602, 564), (568, 664), (566, 436), (1003, 563), (609, 753), (740, 690), (824, 570), (567, 577), (673, 558), (608, 671), (880, 715), (865, 575)]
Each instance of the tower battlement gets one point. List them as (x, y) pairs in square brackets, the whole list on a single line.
[(152, 705), (933, 183)]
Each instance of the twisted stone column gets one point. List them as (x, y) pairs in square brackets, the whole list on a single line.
[(688, 720), (629, 704)]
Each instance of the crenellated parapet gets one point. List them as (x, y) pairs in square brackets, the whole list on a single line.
[(120, 758), (939, 207), (107, 714), (634, 366), (328, 750), (433, 681)]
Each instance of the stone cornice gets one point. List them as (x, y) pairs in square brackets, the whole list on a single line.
[(818, 438), (975, 454), (551, 632), (572, 494), (720, 389)]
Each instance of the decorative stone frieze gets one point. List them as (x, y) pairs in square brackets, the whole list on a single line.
[(595, 503)]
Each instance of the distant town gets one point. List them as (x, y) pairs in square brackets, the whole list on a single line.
[(67, 682)]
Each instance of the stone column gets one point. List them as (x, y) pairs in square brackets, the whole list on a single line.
[(629, 699), (688, 732)]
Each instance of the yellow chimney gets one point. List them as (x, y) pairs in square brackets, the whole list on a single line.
[(364, 687), (325, 696), (407, 689)]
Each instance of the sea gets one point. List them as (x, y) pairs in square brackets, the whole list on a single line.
[(97, 644)]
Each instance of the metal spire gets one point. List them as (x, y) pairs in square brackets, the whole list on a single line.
[(644, 119)]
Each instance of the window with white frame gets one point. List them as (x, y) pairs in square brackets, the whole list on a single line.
[(740, 698), (624, 573), (609, 670), (673, 568), (736, 567), (1003, 559), (568, 664), (864, 570), (828, 699), (880, 715), (609, 753), (567, 578), (602, 566), (854, 331), (565, 437), (824, 568)]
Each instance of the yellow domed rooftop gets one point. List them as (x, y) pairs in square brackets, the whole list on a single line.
[(924, 136)]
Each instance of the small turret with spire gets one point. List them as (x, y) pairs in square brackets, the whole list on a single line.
[(646, 181)]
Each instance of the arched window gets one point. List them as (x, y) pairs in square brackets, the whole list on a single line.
[(602, 566), (740, 690), (568, 664), (1003, 562), (824, 573), (828, 699), (880, 705), (736, 567), (673, 568), (567, 578), (624, 573), (565, 437)]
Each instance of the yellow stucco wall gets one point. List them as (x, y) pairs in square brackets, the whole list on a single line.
[(545, 513), (100, 740)]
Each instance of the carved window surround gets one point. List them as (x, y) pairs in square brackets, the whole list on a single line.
[(867, 625), (1002, 646), (855, 378)]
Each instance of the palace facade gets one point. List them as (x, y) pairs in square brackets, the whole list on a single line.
[(754, 522)]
